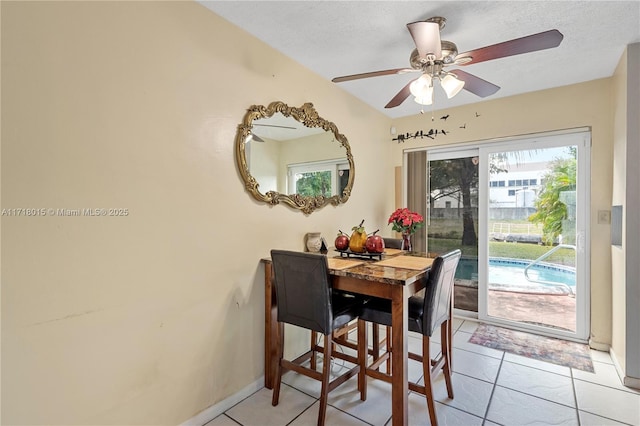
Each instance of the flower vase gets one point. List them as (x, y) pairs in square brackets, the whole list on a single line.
[(314, 242), (406, 241)]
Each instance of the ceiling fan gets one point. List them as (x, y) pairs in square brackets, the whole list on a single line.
[(432, 56), (254, 137)]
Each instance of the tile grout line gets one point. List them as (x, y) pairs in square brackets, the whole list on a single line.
[(575, 395), (231, 418), (350, 415), (306, 409), (631, 392), (493, 389)]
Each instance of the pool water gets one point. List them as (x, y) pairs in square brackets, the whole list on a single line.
[(508, 274)]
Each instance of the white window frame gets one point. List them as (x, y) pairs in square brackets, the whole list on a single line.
[(334, 166)]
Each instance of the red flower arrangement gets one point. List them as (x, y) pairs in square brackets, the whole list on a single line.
[(406, 221)]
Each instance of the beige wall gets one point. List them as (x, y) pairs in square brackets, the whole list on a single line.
[(152, 317), (579, 105), (264, 164)]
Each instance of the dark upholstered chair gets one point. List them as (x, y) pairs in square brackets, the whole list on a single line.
[(305, 299), (428, 311), (394, 243)]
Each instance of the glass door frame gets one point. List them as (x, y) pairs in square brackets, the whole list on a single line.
[(582, 139)]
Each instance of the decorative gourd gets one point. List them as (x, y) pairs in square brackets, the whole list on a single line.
[(358, 239)]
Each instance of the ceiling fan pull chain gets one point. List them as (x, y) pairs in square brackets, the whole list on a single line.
[(433, 103)]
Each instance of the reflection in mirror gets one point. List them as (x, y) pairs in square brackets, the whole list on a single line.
[(292, 155)]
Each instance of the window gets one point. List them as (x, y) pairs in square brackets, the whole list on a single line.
[(447, 204), (512, 183), (533, 182), (501, 183), (512, 193), (318, 178), (518, 182)]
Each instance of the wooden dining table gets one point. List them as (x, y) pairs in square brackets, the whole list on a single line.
[(397, 276)]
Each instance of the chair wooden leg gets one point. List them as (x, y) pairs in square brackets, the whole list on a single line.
[(376, 344), (388, 348), (363, 356), (278, 373), (314, 339), (326, 369), (428, 388), (446, 368), (376, 341)]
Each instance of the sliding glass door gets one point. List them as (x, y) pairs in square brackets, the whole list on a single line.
[(519, 211), (534, 216), (452, 217)]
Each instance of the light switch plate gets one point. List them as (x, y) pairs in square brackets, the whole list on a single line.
[(604, 217)]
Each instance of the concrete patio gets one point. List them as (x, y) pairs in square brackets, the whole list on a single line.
[(558, 311)]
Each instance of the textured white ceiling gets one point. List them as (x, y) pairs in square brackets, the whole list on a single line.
[(336, 38)]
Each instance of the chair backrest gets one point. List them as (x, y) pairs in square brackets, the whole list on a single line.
[(303, 290), (394, 243), (439, 290)]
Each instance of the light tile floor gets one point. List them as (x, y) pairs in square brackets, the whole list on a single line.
[(491, 388)]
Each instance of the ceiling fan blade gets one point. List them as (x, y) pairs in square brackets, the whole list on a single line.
[(401, 96), (372, 74), (426, 36), (476, 85), (275, 125), (531, 43)]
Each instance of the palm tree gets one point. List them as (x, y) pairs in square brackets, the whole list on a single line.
[(551, 208)]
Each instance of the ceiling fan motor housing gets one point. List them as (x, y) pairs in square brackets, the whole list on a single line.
[(449, 53)]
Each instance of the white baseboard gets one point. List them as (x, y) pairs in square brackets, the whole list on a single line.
[(214, 411), (603, 347), (631, 382), (465, 315)]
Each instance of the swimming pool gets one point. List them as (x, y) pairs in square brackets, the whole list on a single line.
[(508, 274)]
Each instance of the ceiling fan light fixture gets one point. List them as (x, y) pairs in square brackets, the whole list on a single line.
[(252, 137), (422, 89), (420, 86), (451, 85), (425, 100)]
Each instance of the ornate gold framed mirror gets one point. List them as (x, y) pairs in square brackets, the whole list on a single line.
[(293, 156)]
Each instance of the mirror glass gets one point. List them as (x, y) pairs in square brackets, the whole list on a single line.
[(292, 155)]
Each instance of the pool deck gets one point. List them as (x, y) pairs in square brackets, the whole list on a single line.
[(557, 311), (549, 310)]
